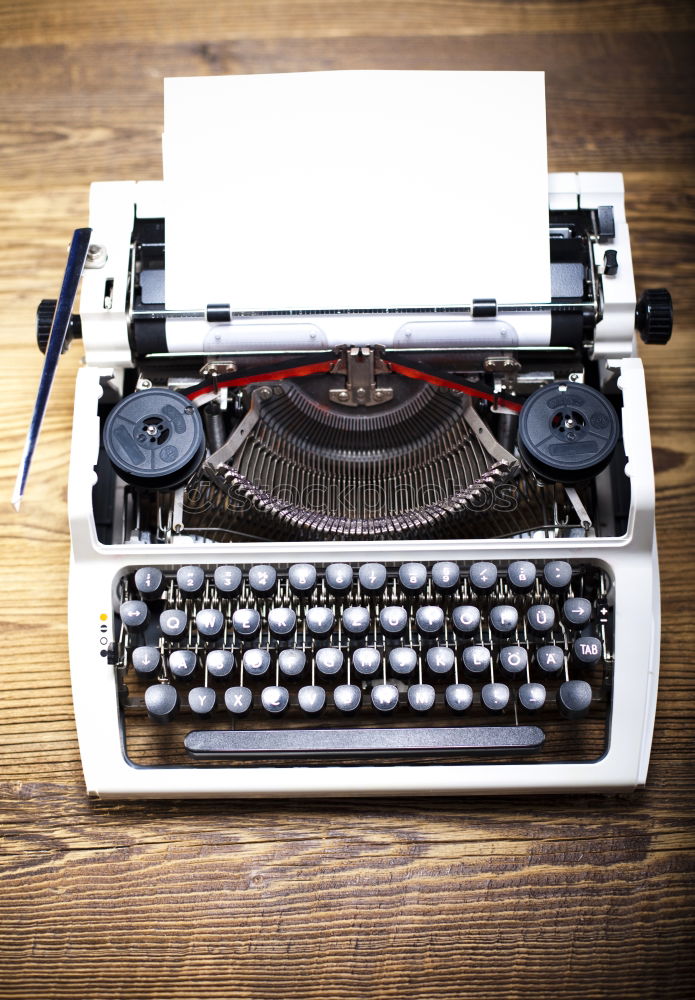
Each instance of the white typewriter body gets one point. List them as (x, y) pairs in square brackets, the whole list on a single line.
[(629, 558)]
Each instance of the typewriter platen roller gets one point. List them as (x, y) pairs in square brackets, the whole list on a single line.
[(430, 442)]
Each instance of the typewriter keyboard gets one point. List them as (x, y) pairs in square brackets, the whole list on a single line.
[(318, 661)]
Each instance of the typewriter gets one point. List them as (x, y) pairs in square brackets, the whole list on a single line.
[(418, 557)]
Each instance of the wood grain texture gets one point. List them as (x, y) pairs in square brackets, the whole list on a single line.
[(551, 896), (34, 21)]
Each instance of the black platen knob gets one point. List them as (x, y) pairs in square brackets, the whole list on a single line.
[(44, 318), (654, 316)]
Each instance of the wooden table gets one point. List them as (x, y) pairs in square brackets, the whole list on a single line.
[(559, 897)]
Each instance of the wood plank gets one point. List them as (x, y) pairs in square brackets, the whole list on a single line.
[(35, 21), (255, 922), (108, 126)]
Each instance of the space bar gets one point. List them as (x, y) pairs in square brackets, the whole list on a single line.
[(217, 743)]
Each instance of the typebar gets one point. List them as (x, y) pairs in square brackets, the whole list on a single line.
[(216, 744)]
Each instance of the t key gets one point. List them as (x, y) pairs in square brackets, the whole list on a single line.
[(319, 621)]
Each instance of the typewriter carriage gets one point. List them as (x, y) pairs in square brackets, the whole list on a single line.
[(344, 454)]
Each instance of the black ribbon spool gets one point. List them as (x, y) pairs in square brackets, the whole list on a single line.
[(567, 432), (155, 439)]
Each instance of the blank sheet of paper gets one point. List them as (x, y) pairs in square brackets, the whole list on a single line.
[(355, 190)]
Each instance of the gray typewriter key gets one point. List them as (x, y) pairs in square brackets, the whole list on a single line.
[(557, 574), (495, 697), (161, 702), (134, 615), (338, 577), (329, 660), (521, 576), (483, 577), (319, 621), (445, 577), (440, 659), (413, 577), (514, 659), (275, 699), (347, 698), (246, 622), (372, 577), (385, 698), (302, 578), (541, 618), (256, 662), (587, 650), (311, 699), (429, 620), (202, 700), (190, 580), (550, 659), (291, 662), (531, 697), (393, 620), (402, 660), (466, 619), (238, 700), (209, 622), (281, 622), (173, 622), (149, 582), (576, 612), (366, 660), (459, 697), (228, 580), (504, 619), (182, 662), (574, 699), (219, 662), (145, 660), (262, 580), (476, 659), (356, 621), (421, 697)]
